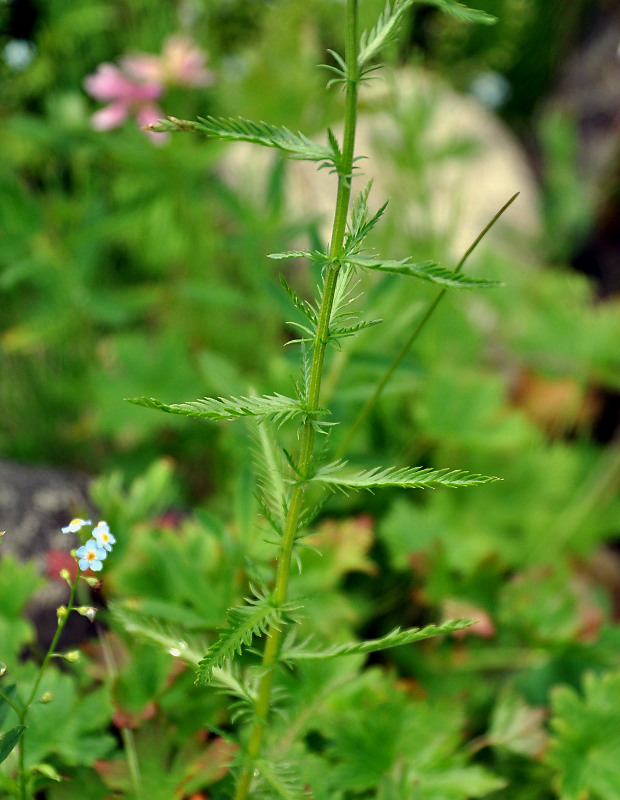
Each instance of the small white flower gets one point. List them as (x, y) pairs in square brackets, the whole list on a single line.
[(103, 536), (75, 525), (91, 556)]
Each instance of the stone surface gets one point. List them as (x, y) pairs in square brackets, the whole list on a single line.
[(413, 130), (35, 502)]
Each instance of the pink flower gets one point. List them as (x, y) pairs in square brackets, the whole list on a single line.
[(181, 63), (125, 96)]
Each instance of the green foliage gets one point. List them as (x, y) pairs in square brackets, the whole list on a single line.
[(426, 270), (276, 408), (585, 746), (333, 477), (114, 285), (9, 740), (258, 617), (82, 718), (395, 638), (383, 33), (402, 746), (462, 12), (295, 146)]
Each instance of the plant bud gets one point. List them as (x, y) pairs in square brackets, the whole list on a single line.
[(87, 611), (73, 656)]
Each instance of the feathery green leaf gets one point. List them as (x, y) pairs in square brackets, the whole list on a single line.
[(244, 692), (395, 638), (426, 270), (383, 33), (302, 305), (333, 476), (272, 494), (351, 330), (278, 781), (245, 622), (294, 145), (275, 407), (360, 223), (314, 255), (463, 12), (239, 129), (173, 640)]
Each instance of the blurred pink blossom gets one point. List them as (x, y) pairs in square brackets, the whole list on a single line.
[(181, 63), (125, 96)]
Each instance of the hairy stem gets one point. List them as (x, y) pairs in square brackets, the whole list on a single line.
[(308, 433), (372, 400)]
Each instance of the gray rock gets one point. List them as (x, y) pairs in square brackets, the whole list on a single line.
[(35, 503)]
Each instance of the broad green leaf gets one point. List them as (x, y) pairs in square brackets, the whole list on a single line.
[(49, 772), (10, 692), (395, 638), (239, 129), (333, 476), (585, 747), (462, 783), (9, 740), (517, 726), (275, 407), (83, 719), (426, 270)]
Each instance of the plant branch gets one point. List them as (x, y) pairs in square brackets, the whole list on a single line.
[(308, 433), (372, 400)]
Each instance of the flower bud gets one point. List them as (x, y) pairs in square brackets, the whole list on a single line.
[(61, 612), (65, 575), (46, 697), (73, 656), (94, 583), (87, 611)]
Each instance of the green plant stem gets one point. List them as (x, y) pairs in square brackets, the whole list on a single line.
[(62, 621), (10, 703), (308, 433), (344, 444), (129, 744)]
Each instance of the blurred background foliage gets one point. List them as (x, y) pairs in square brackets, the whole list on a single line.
[(132, 269)]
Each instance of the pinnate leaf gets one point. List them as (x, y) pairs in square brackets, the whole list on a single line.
[(333, 476), (275, 407), (244, 623), (426, 270), (383, 33), (463, 12), (395, 638), (240, 129)]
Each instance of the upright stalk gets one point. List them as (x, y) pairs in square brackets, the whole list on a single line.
[(62, 621), (307, 437)]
